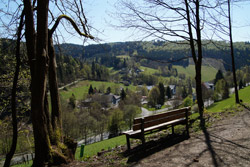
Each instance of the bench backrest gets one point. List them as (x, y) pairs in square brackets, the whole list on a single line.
[(157, 119)]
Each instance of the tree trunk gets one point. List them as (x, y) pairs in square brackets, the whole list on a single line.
[(197, 59), (13, 96), (232, 54), (56, 117), (198, 66), (39, 120)]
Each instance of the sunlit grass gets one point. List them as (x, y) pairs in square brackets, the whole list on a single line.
[(93, 149)]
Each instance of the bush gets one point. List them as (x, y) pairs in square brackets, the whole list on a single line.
[(188, 102)]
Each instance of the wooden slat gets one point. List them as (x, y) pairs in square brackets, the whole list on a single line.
[(160, 118), (168, 113), (159, 121), (162, 115)]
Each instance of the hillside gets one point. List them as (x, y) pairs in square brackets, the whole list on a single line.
[(224, 143), (163, 51)]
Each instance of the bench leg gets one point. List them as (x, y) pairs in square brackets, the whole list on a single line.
[(143, 139), (187, 129), (128, 142), (172, 129)]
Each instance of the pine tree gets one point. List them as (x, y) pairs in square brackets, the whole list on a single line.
[(219, 76), (91, 90), (225, 93), (184, 92), (168, 92), (241, 84), (123, 94), (162, 93)]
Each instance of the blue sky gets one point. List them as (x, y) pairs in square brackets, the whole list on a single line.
[(99, 14)]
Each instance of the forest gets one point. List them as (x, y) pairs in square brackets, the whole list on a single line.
[(168, 52)]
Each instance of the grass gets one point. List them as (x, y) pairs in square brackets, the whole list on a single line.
[(208, 73), (148, 70), (93, 149), (80, 90), (24, 164), (230, 102), (123, 57)]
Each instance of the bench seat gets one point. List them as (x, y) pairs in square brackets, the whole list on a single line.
[(157, 122)]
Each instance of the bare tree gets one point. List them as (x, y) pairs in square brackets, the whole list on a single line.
[(168, 20), (49, 143), (232, 52), (223, 26), (14, 94)]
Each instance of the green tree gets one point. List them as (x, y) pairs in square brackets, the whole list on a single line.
[(168, 92), (108, 90), (130, 112), (187, 102), (225, 93), (241, 85), (116, 122), (162, 93), (184, 93), (72, 101), (153, 96), (91, 90), (218, 76), (123, 94)]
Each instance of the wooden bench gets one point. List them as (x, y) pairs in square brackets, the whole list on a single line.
[(157, 122)]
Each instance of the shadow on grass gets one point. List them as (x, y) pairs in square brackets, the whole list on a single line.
[(142, 151)]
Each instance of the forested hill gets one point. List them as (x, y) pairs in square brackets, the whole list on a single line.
[(159, 50)]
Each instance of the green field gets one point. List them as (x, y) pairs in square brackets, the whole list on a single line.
[(148, 70), (230, 102), (208, 73), (80, 90), (93, 149)]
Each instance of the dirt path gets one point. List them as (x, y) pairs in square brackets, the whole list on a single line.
[(226, 143)]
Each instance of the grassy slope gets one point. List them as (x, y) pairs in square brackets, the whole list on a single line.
[(148, 70), (93, 149), (230, 102), (81, 89), (208, 73)]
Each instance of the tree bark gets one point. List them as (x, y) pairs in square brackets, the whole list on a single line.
[(232, 54), (9, 156), (196, 58), (39, 120), (56, 119)]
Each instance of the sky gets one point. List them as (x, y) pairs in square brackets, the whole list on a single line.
[(100, 14)]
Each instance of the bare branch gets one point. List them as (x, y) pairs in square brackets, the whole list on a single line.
[(72, 23)]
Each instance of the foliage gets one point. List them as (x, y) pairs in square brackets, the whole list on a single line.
[(168, 92), (72, 101), (162, 93), (116, 123), (221, 90), (188, 101), (123, 94), (218, 76), (229, 102), (153, 97)]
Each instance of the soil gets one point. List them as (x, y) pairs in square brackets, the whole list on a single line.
[(225, 143)]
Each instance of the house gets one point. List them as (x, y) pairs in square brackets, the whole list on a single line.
[(150, 87), (105, 100), (209, 86), (173, 89)]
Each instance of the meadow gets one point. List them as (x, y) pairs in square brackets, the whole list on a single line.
[(80, 89)]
